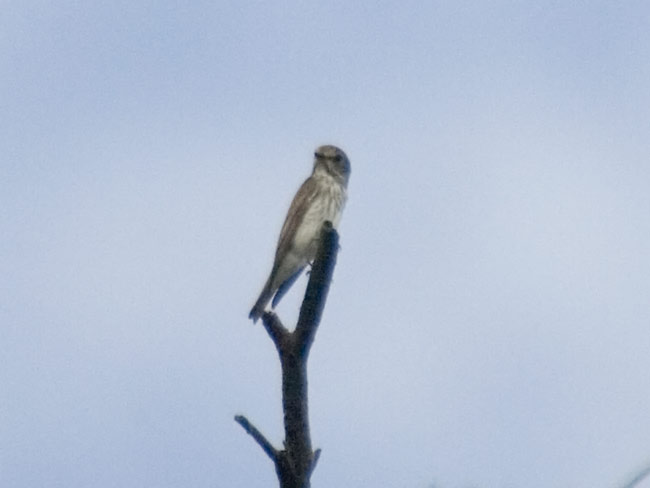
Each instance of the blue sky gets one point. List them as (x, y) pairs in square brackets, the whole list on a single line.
[(488, 324)]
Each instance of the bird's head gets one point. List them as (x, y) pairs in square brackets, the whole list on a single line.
[(334, 161)]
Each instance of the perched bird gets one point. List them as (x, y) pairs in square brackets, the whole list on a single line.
[(321, 197)]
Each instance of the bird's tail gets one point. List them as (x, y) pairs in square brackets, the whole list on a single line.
[(260, 304)]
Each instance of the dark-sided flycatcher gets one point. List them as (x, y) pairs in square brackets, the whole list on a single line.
[(321, 197)]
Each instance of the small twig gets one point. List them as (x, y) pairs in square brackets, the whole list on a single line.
[(251, 430), (640, 476), (277, 332), (314, 462)]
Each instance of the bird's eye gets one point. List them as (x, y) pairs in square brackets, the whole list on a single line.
[(337, 158), (317, 155)]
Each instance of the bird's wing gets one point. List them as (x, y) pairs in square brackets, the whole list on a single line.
[(297, 210)]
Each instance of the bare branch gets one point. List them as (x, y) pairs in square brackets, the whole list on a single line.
[(317, 288), (250, 429), (295, 463)]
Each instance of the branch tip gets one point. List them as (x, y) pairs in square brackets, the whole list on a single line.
[(263, 442), (314, 461), (274, 328)]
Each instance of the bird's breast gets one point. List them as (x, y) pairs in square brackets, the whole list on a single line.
[(327, 204)]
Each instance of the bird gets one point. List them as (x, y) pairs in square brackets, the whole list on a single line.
[(320, 198)]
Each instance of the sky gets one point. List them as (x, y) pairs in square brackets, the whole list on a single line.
[(488, 322)]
